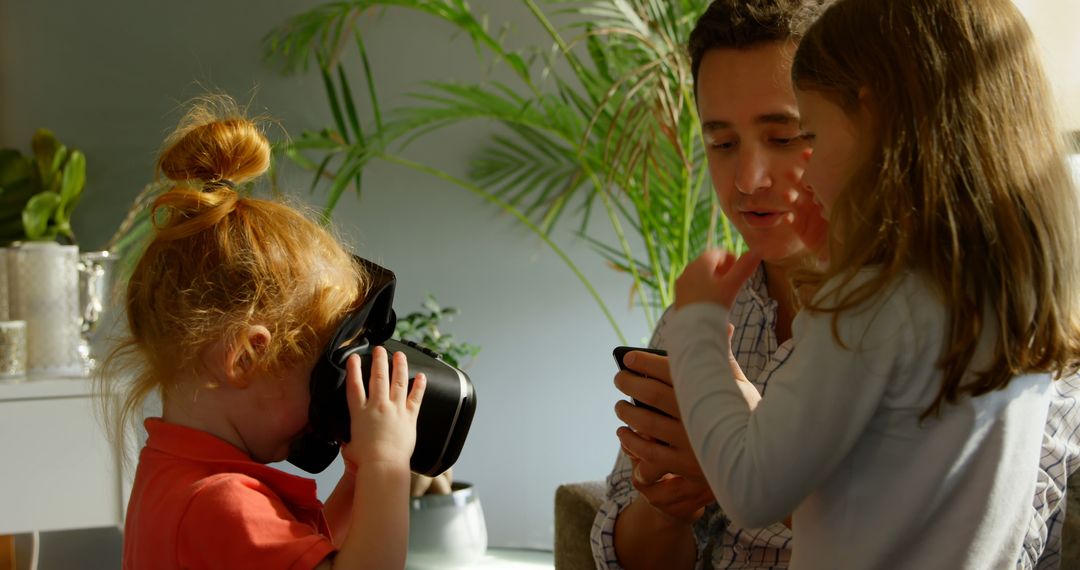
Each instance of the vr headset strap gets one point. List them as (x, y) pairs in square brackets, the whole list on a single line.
[(376, 319)]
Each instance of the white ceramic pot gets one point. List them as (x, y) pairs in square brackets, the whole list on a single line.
[(446, 531)]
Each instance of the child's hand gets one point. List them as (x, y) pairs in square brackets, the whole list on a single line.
[(383, 420), (383, 428), (808, 217), (810, 224), (714, 277)]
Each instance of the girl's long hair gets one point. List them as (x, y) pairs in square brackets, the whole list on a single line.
[(968, 186)]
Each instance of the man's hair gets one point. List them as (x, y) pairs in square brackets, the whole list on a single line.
[(741, 24)]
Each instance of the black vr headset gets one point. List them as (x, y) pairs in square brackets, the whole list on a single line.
[(445, 413)]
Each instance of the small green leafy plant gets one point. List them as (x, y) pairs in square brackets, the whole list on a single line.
[(38, 193), (422, 327)]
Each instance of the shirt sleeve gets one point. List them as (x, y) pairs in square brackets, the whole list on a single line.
[(620, 493), (236, 522), (761, 464)]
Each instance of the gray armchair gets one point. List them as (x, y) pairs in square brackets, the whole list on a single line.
[(576, 505)]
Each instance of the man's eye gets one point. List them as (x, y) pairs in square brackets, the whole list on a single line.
[(787, 141), (722, 145)]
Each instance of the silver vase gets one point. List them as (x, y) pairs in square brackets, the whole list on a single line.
[(97, 299)]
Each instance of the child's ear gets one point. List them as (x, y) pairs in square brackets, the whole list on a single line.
[(240, 362), (867, 101)]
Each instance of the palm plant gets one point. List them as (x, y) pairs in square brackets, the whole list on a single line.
[(619, 131)]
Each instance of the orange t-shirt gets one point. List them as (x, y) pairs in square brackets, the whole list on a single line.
[(199, 502)]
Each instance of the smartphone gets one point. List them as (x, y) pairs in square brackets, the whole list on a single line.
[(620, 352)]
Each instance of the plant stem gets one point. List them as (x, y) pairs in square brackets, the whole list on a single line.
[(339, 44), (371, 85), (570, 57), (606, 199)]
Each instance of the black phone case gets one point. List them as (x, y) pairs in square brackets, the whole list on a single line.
[(620, 352)]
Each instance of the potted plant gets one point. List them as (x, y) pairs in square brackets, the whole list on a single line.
[(39, 192), (41, 279), (611, 126), (422, 327)]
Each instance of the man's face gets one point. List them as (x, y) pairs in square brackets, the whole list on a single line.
[(754, 144)]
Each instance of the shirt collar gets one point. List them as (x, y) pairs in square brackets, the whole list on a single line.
[(757, 288), (199, 446), (190, 443)]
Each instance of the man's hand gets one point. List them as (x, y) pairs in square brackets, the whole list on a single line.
[(675, 497), (666, 472)]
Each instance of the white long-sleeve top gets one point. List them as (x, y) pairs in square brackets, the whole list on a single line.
[(838, 440)]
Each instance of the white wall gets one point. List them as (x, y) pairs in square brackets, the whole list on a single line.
[(1054, 24), (107, 77)]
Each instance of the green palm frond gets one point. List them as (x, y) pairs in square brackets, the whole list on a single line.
[(304, 37), (532, 172), (325, 28), (606, 122)]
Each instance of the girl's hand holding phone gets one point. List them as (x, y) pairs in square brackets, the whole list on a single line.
[(383, 420)]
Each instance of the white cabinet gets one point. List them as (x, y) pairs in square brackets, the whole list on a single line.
[(58, 469)]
